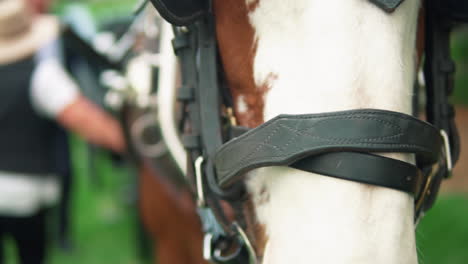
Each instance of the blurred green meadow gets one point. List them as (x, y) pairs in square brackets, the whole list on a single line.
[(443, 234), (104, 218), (104, 214), (104, 222), (460, 52), (105, 225), (102, 10)]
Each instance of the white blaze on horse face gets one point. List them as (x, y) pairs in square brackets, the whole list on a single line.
[(328, 56)]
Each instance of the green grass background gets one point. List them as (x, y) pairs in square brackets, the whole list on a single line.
[(105, 227), (460, 53), (104, 224), (443, 233)]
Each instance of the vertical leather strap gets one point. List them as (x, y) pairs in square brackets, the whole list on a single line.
[(439, 70)]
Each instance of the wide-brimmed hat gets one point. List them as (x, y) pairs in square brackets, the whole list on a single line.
[(21, 32)]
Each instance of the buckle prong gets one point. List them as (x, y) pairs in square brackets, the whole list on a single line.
[(427, 187)]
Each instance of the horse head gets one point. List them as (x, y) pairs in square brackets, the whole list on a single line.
[(330, 169), (314, 57)]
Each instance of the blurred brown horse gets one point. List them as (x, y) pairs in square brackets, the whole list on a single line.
[(169, 215), (166, 204), (167, 209)]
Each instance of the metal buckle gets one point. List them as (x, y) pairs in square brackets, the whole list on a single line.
[(231, 117), (199, 182), (218, 255), (207, 247), (213, 231), (435, 168), (427, 187), (448, 155), (215, 255), (246, 242)]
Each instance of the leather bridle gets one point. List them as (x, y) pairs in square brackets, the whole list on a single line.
[(220, 153)]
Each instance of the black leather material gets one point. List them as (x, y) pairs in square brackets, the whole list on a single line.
[(365, 168), (334, 144), (439, 70), (387, 5), (361, 167), (289, 138), (181, 12), (201, 121), (27, 139), (456, 10)]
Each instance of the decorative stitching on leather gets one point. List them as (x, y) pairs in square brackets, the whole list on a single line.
[(258, 147), (357, 141), (293, 138), (400, 133), (341, 115), (245, 165), (355, 112), (242, 162), (228, 172)]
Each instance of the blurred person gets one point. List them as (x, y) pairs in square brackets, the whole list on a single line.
[(63, 160), (35, 90)]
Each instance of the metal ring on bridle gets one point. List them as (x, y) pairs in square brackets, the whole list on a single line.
[(245, 240), (137, 130), (218, 254)]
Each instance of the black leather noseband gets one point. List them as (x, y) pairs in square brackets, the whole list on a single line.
[(288, 139)]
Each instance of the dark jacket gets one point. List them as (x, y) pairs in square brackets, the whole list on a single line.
[(26, 138)]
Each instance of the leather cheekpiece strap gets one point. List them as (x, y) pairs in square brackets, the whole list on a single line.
[(287, 139)]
